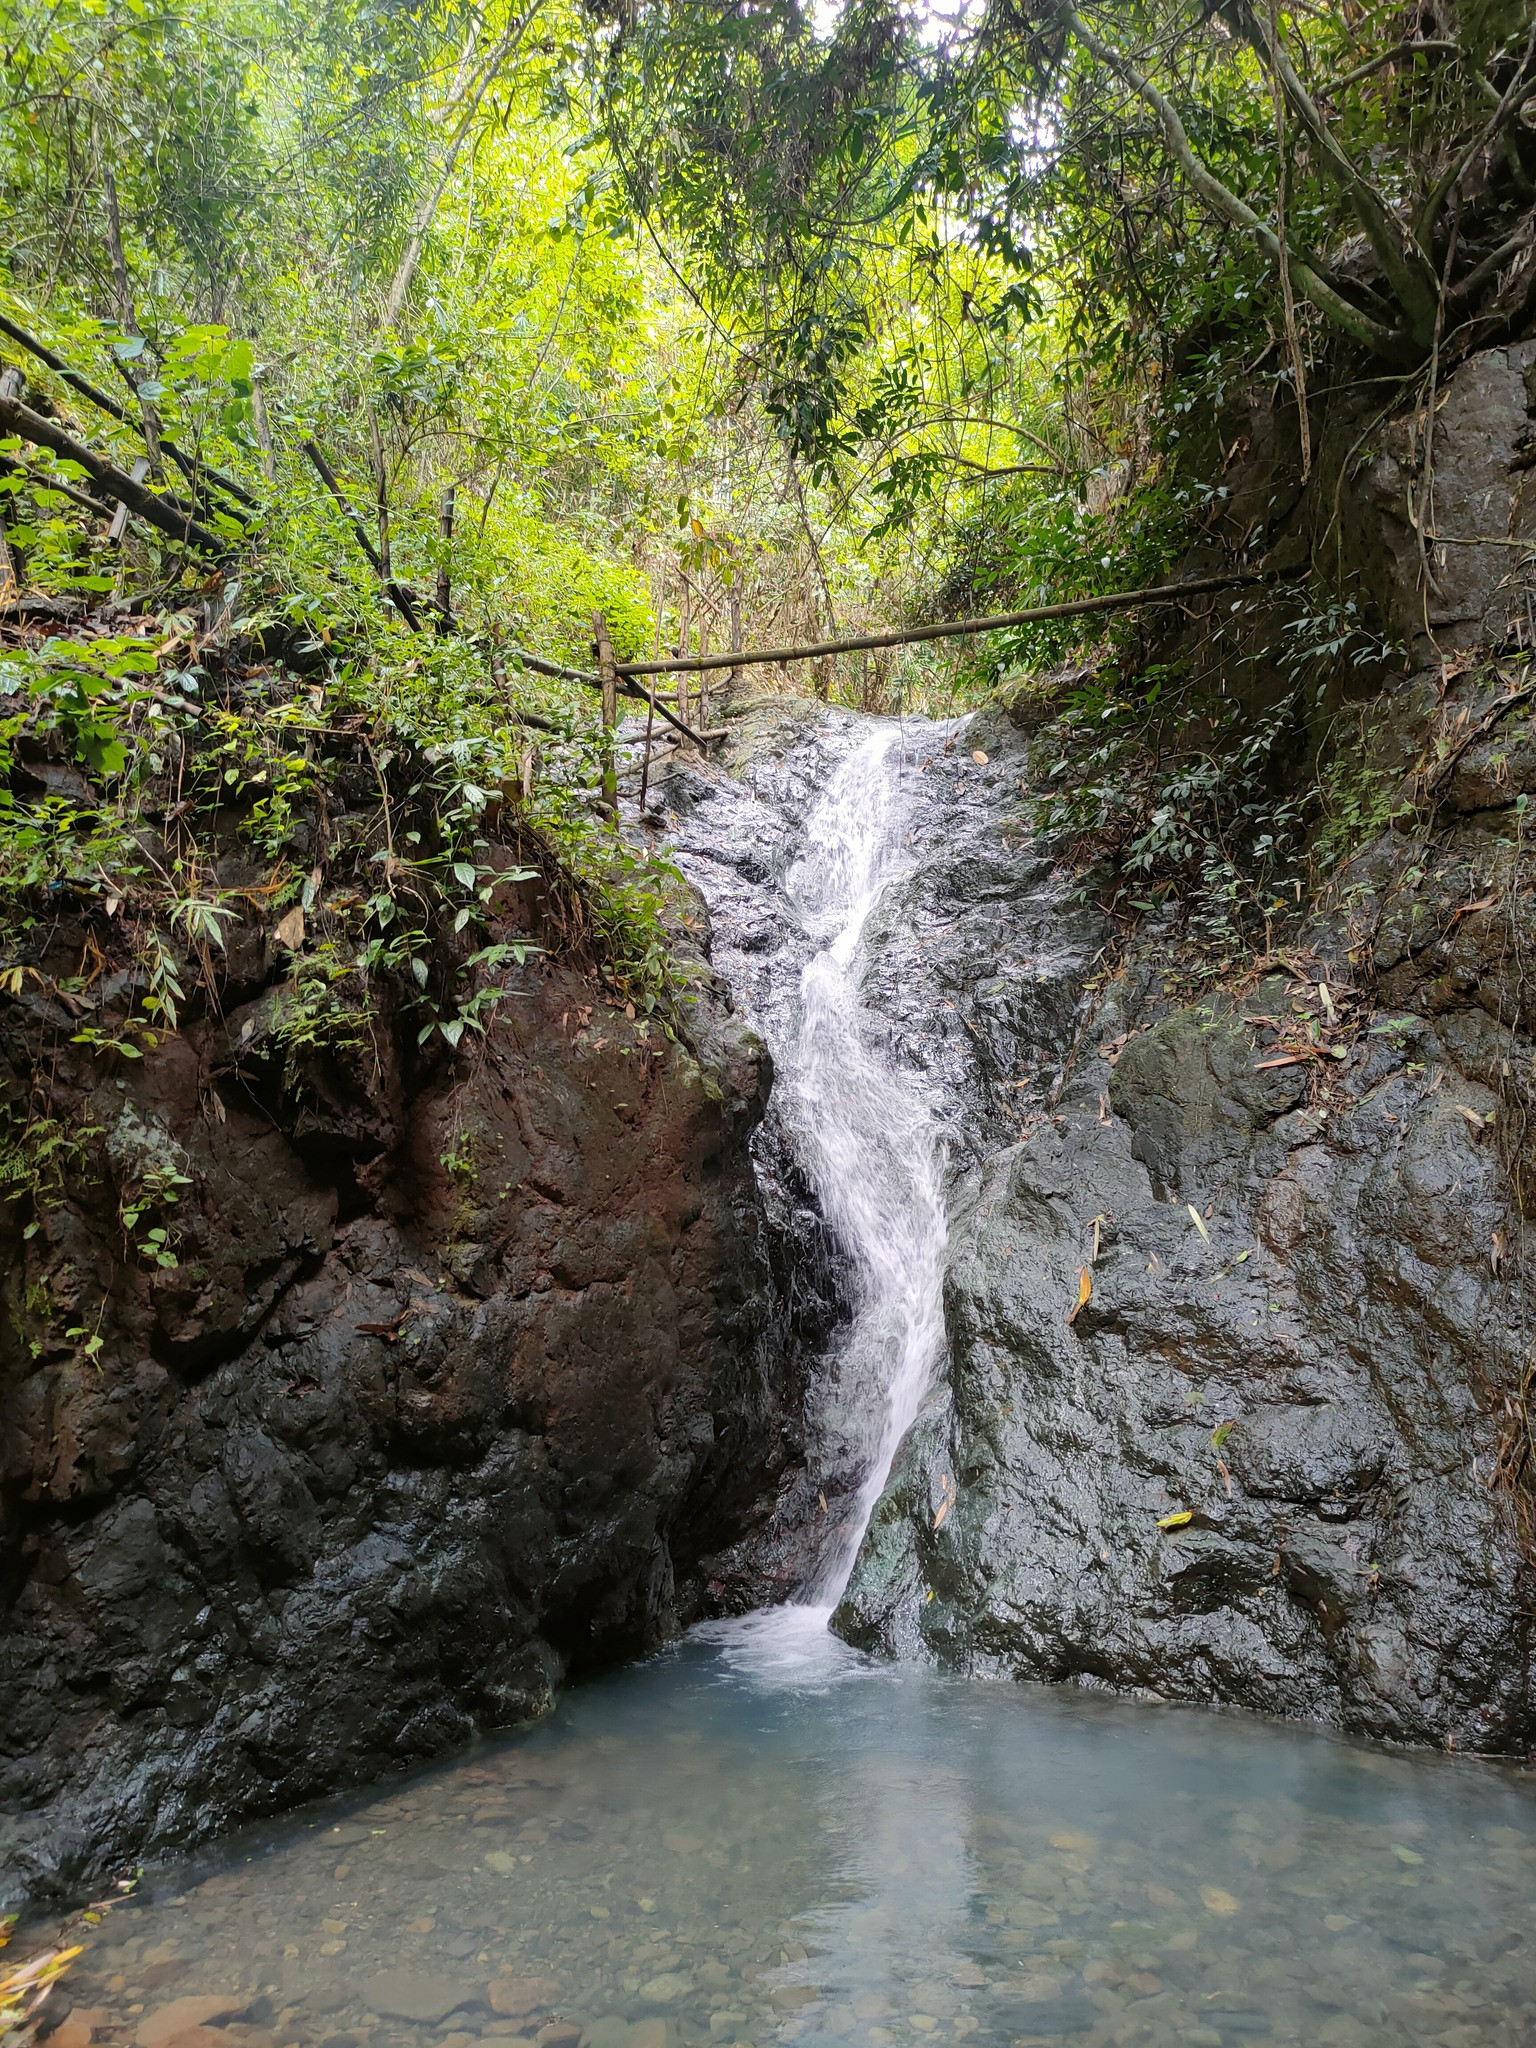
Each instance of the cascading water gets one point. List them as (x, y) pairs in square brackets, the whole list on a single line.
[(866, 1136)]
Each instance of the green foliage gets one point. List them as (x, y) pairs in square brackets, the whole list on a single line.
[(40, 1156), (1183, 804), (1043, 544), (711, 320), (158, 1190), (1357, 801)]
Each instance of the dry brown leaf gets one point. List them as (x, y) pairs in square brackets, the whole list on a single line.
[(1084, 1292), (289, 930)]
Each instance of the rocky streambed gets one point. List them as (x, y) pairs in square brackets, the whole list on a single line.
[(716, 1847)]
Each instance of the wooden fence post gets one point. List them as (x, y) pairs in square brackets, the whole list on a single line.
[(602, 647)]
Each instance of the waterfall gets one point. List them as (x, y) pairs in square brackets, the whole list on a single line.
[(864, 1131)]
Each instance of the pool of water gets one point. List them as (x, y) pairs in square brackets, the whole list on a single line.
[(763, 1838)]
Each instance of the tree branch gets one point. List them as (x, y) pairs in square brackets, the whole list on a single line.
[(1490, 266), (1376, 336), (1385, 57), (410, 256), (198, 474), (1429, 213), (1411, 273)]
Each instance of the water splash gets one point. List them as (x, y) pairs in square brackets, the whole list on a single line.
[(865, 1132)]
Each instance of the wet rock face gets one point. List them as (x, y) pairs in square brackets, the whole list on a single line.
[(1256, 1464), (1299, 1392), (973, 959), (452, 1388), (1484, 500)]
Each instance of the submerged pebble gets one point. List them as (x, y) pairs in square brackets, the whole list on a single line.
[(853, 1856)]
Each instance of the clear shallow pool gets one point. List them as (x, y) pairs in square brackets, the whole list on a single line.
[(761, 1838)]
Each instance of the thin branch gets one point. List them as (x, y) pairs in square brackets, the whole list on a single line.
[(985, 475), (1379, 63)]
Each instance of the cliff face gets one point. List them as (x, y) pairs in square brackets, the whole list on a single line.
[(1274, 1458), (1235, 1406), (458, 1375)]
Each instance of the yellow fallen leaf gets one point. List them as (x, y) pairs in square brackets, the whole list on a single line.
[(1215, 1900), (1176, 1521), (1084, 1291), (1198, 1220), (978, 757)]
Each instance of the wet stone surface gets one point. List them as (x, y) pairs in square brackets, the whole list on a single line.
[(717, 1849), (968, 975)]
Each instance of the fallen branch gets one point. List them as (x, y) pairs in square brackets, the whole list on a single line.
[(196, 473), (168, 514)]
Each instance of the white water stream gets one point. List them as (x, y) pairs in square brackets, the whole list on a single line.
[(870, 1145)]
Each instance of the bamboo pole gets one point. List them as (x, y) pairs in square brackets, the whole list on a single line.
[(625, 688), (1074, 608)]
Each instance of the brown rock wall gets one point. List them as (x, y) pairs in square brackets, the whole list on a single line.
[(459, 1374)]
